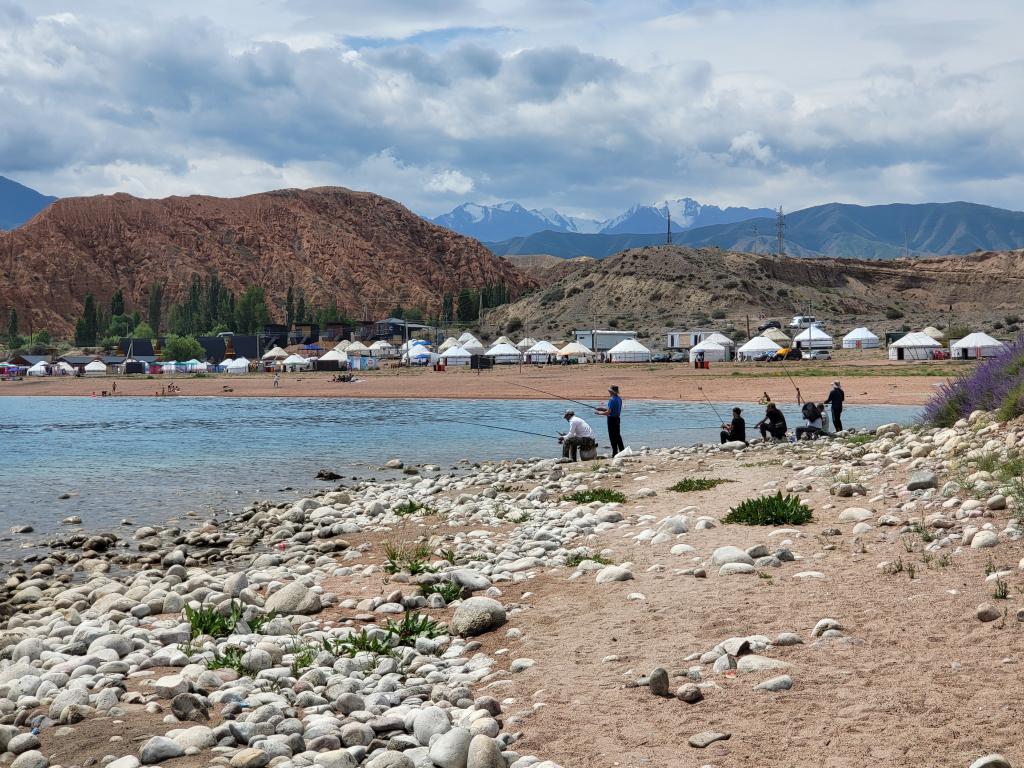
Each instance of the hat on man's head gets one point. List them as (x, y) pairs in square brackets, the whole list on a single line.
[(614, 389), (568, 414), (835, 383)]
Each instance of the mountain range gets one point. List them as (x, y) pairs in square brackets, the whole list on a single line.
[(18, 203), (510, 219), (835, 229)]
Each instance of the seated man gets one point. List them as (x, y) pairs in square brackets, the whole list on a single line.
[(736, 430), (580, 436), (814, 428), (773, 423)]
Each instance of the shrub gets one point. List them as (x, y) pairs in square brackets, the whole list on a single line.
[(414, 625), (360, 642), (410, 507), (449, 590), (230, 659), (207, 620), (513, 325), (691, 484), (893, 313), (407, 557), (997, 384), (595, 494), (718, 314), (575, 558), (770, 510)]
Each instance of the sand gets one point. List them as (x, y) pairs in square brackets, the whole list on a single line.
[(874, 383)]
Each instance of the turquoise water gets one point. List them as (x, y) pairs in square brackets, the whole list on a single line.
[(154, 459)]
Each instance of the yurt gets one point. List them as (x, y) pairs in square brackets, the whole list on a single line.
[(357, 349), (758, 345), (576, 351), (382, 348), (504, 354), (295, 363), (720, 338), (934, 332), (629, 351), (334, 360), (96, 368), (447, 344), (359, 357), (195, 366), (238, 365), (39, 369), (276, 353), (525, 344), (778, 336), (468, 337), (914, 346), (342, 346), (474, 347), (860, 338), (541, 352), (713, 352), (503, 340), (976, 345), (418, 354), (66, 369), (812, 338), (456, 356)]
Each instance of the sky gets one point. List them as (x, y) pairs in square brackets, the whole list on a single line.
[(587, 106)]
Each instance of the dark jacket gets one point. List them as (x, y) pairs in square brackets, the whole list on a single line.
[(775, 419), (835, 399), (810, 412), (738, 429)]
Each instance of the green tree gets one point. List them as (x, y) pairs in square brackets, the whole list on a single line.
[(12, 326), (156, 301), (143, 331), (467, 305), (447, 308), (182, 348), (251, 311), (289, 307), (86, 329), (117, 303), (300, 309)]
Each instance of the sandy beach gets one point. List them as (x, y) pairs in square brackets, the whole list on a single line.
[(872, 382)]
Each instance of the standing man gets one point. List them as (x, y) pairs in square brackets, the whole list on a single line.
[(835, 399), (613, 411), (580, 436), (277, 380), (735, 431)]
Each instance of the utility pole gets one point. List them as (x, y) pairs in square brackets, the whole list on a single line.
[(755, 240), (780, 232), (668, 233)]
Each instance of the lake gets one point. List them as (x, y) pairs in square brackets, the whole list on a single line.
[(153, 459)]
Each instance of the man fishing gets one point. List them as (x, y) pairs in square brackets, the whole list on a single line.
[(613, 412), (736, 430), (835, 399), (773, 423), (580, 436)]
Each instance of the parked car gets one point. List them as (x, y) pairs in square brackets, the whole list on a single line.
[(661, 357), (817, 354), (786, 354), (770, 324), (804, 321), (680, 357), (763, 357)]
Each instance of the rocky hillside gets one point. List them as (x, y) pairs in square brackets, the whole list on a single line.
[(363, 251), (656, 288)]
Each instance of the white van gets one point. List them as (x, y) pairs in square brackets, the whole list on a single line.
[(804, 321)]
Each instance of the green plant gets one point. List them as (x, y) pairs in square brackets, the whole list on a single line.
[(690, 484), (575, 558), (207, 620), (363, 642), (859, 439), (604, 495), (408, 557), (1002, 590), (414, 625), (944, 561), (448, 555), (911, 570), (923, 532), (449, 590), (303, 656), (908, 543), (230, 659), (770, 510), (990, 567), (260, 620), (988, 462), (410, 507)]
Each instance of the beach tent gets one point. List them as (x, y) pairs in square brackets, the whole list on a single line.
[(576, 351), (541, 352), (295, 362), (504, 353), (39, 369), (713, 352), (974, 345), (96, 368), (525, 344), (860, 338), (757, 346), (914, 346), (934, 332), (276, 353), (455, 356), (238, 365), (357, 349), (447, 344), (629, 351), (812, 338), (777, 336)]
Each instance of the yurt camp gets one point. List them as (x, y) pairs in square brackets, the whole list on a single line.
[(576, 352)]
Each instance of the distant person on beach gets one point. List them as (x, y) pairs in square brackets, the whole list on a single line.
[(277, 380), (736, 430), (765, 399), (114, 389), (613, 412), (580, 436), (773, 423), (814, 427), (835, 399)]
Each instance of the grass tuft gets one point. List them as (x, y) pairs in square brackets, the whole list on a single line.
[(411, 507), (449, 590), (770, 510), (575, 558), (604, 495), (413, 626), (412, 558), (691, 484), (230, 659), (207, 620)]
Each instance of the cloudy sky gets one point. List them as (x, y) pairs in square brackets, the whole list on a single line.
[(585, 105)]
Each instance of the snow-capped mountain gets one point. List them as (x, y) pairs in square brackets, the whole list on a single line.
[(492, 223)]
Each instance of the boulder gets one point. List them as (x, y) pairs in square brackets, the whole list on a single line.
[(476, 616), (294, 598)]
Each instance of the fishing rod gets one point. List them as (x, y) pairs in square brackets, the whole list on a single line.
[(551, 394), (701, 390), (506, 429)]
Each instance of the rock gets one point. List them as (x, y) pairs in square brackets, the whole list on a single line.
[(825, 625), (689, 693), (725, 555), (476, 616), (788, 638), (706, 738), (23, 742), (658, 682), (613, 573), (119, 644), (392, 759), (337, 758), (356, 734), (484, 753), (984, 539), (31, 759), (735, 569), (250, 758), (429, 722), (991, 761), (128, 761), (451, 750), (188, 706), (294, 598), (921, 480), (158, 749), (987, 612), (169, 686), (755, 663), (326, 474), (780, 683), (393, 464), (521, 665), (855, 515), (732, 445)]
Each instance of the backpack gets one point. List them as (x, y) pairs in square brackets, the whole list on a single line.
[(810, 411)]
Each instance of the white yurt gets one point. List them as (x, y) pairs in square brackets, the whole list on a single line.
[(238, 365), (525, 344), (629, 351), (334, 356), (468, 337), (934, 332), (976, 345), (504, 354), (757, 346), (357, 349), (341, 346), (382, 348), (812, 338), (860, 338), (541, 352), (418, 354), (576, 351), (65, 368), (474, 347), (447, 344), (456, 356), (276, 353), (713, 352), (720, 338), (914, 346), (295, 363), (169, 366), (503, 340), (39, 369), (195, 366), (778, 336), (96, 368)]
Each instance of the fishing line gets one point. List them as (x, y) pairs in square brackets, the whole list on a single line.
[(559, 397), (708, 401), (506, 429)]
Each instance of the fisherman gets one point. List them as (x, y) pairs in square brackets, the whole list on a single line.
[(735, 431), (814, 428), (580, 436), (835, 398), (613, 411), (773, 423)]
